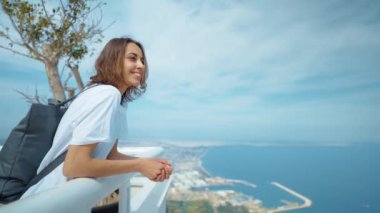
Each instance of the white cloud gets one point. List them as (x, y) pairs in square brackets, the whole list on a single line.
[(215, 62), (219, 64)]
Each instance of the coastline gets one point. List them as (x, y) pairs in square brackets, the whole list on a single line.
[(289, 205), (294, 174), (191, 182), (200, 164)]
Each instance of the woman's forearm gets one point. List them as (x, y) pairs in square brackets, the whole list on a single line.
[(80, 163), (94, 167)]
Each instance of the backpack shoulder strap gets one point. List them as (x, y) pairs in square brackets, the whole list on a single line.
[(49, 168), (63, 103)]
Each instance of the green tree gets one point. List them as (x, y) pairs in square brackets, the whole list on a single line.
[(61, 32)]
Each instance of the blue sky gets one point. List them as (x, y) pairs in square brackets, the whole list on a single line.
[(254, 71)]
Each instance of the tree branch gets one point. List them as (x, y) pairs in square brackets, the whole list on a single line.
[(63, 8), (47, 17), (62, 70), (108, 26), (8, 37), (67, 79), (20, 53), (85, 15), (29, 98), (24, 43)]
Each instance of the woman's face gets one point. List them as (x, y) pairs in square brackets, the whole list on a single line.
[(134, 65)]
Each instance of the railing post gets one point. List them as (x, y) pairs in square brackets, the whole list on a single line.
[(125, 197)]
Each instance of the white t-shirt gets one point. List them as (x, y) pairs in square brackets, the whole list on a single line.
[(95, 116)]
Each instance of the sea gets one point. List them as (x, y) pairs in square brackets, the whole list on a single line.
[(336, 178)]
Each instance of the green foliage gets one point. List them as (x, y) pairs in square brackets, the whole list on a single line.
[(50, 34), (63, 30), (203, 206), (228, 208)]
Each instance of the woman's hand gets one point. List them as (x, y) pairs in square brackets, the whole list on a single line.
[(168, 170), (150, 168), (155, 169), (165, 172)]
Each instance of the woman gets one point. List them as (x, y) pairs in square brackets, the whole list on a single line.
[(96, 120)]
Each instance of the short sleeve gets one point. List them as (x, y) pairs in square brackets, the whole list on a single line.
[(97, 118)]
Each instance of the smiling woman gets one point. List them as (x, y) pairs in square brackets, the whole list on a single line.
[(134, 65), (123, 64), (96, 121)]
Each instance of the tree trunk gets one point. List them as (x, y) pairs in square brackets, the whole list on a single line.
[(76, 74), (71, 91), (51, 68)]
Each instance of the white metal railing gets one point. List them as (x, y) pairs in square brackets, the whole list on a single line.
[(152, 198), (81, 194)]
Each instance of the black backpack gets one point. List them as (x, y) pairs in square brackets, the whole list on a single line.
[(25, 148)]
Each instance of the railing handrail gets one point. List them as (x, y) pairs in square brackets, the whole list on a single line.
[(78, 195)]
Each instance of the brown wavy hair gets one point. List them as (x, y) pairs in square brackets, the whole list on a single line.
[(110, 64)]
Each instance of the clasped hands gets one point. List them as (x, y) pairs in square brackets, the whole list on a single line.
[(156, 169)]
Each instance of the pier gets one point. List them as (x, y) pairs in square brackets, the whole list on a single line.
[(291, 206), (246, 183)]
